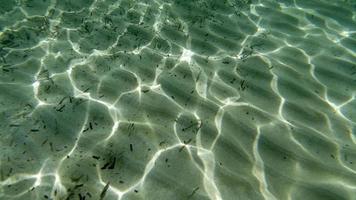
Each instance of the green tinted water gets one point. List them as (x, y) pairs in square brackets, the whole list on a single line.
[(177, 100)]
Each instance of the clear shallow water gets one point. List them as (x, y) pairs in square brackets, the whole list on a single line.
[(220, 100)]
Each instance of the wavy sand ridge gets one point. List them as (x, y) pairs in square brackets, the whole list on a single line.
[(220, 100)]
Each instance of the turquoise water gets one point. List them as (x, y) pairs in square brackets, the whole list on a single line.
[(178, 99)]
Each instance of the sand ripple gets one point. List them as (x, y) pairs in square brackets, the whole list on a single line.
[(168, 99)]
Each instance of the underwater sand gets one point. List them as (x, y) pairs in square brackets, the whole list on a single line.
[(177, 99)]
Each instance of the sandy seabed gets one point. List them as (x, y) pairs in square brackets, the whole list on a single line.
[(177, 99)]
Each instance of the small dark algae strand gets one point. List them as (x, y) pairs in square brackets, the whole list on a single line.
[(103, 192), (194, 191)]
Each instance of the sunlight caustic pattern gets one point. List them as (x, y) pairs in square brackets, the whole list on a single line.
[(173, 99)]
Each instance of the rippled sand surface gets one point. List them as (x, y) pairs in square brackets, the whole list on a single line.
[(177, 99)]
